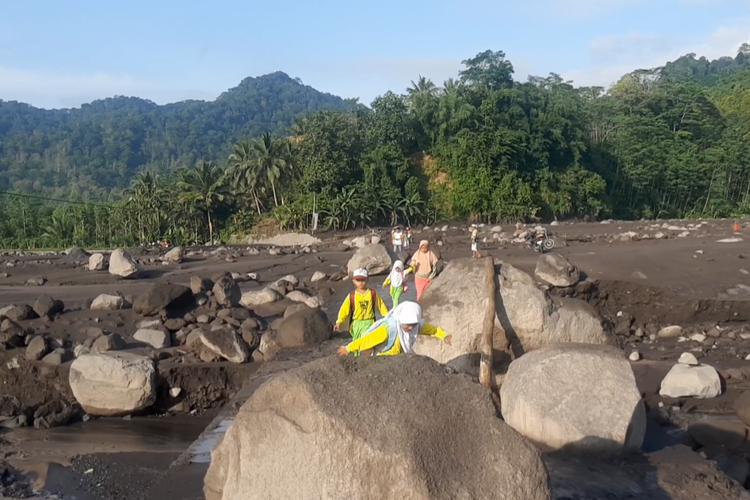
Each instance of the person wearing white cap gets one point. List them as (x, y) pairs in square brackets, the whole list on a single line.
[(396, 333), (359, 306)]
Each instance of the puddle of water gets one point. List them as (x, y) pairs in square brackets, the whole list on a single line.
[(200, 451), (39, 451)]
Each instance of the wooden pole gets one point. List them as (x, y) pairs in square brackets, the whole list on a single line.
[(485, 346)]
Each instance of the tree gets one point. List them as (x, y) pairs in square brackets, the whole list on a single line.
[(272, 161), (488, 70), (201, 186)]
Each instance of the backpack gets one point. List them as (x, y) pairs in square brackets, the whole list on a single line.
[(352, 295)]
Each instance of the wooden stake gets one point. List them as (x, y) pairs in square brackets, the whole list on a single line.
[(485, 346)]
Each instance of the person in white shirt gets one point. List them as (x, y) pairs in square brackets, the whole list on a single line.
[(398, 240)]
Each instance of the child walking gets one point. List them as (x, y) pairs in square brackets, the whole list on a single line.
[(359, 306), (397, 280), (475, 242), (396, 333)]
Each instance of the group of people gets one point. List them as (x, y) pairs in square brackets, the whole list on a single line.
[(397, 331), (401, 239)]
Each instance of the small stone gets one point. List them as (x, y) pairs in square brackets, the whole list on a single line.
[(203, 319), (698, 337), (318, 276), (158, 339), (39, 281), (37, 348), (57, 357), (634, 356), (175, 391), (670, 332), (175, 324), (688, 358), (112, 342)]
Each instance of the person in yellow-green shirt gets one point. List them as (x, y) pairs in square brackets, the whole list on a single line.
[(359, 306), (396, 333)]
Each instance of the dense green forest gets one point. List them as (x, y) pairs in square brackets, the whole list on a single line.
[(98, 148), (665, 142)]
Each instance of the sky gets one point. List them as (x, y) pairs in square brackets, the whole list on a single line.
[(57, 54)]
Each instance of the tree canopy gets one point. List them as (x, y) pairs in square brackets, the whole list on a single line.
[(663, 142)]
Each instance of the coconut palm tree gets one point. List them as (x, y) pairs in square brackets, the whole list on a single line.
[(203, 186), (243, 174), (272, 160), (423, 86)]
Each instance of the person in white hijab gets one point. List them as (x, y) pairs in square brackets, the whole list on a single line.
[(396, 333), (397, 280)]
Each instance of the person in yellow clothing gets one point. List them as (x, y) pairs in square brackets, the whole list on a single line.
[(395, 334), (359, 306)]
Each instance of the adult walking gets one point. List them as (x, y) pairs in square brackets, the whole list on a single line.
[(423, 263)]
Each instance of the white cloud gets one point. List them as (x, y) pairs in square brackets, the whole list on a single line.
[(56, 90), (614, 56)]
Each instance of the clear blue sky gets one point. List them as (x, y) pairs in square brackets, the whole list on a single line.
[(61, 53)]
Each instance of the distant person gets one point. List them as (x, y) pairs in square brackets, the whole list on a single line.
[(475, 242), (423, 263), (359, 306), (408, 236), (398, 240), (395, 334), (397, 280)]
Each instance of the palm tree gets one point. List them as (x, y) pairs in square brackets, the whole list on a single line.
[(202, 186), (243, 174), (423, 86), (450, 86), (273, 161)]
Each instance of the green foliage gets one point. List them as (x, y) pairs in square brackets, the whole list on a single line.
[(665, 142)]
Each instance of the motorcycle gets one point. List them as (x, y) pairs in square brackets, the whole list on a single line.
[(540, 241)]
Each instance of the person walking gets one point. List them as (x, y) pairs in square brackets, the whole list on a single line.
[(397, 280), (423, 264), (398, 240), (359, 306), (395, 334), (408, 237), (475, 242)]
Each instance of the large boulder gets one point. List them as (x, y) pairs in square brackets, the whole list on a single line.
[(742, 407), (307, 327), (113, 384), (580, 398), (97, 262), (526, 319), (686, 381), (161, 296), (122, 264), (557, 270), (389, 428), (256, 298), (227, 291), (374, 258)]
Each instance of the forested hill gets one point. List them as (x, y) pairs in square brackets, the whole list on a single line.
[(100, 146)]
